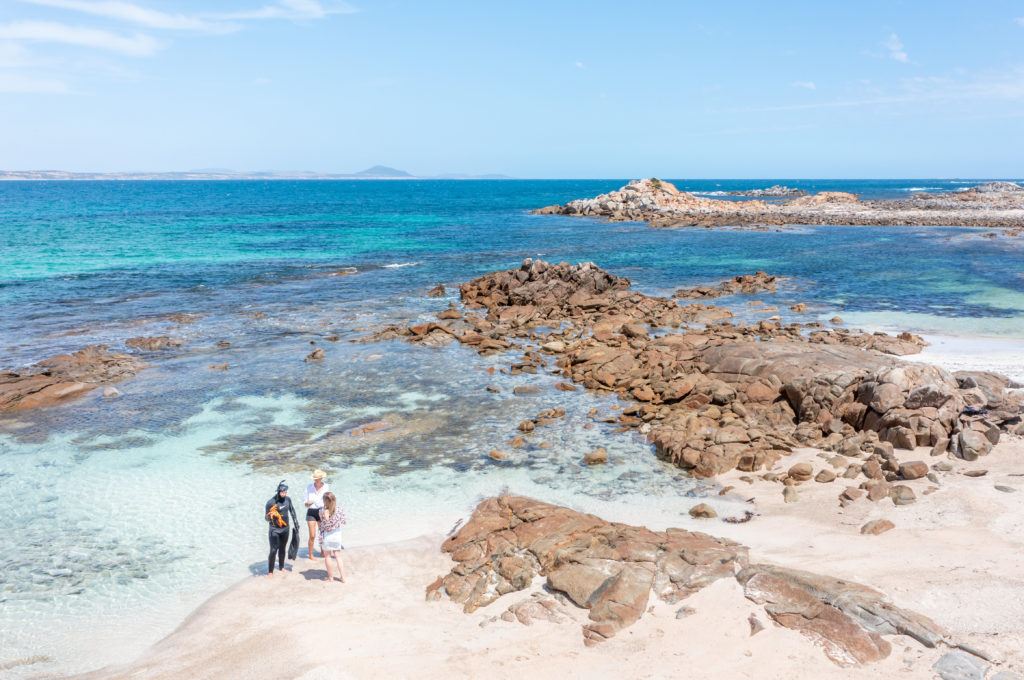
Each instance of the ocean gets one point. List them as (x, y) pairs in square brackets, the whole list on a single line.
[(124, 514)]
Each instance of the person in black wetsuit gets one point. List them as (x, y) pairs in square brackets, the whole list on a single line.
[(278, 509)]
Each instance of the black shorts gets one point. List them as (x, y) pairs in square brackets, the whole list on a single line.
[(312, 515)]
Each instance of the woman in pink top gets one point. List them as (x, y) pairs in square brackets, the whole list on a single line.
[(331, 519)]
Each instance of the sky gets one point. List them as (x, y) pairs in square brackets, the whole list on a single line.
[(528, 89)]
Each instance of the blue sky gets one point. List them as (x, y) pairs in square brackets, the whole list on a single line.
[(529, 89)]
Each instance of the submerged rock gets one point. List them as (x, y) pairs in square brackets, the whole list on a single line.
[(64, 377), (155, 343)]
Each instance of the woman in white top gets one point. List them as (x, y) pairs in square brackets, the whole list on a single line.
[(314, 503)]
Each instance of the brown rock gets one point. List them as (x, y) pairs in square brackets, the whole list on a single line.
[(517, 442), (607, 568), (565, 387), (877, 526), (316, 355), (902, 495), (847, 619), (613, 569), (703, 511), (913, 470), (801, 472), (851, 493), (64, 377), (494, 454), (437, 291), (596, 457), (825, 476), (634, 330), (872, 469), (877, 490)]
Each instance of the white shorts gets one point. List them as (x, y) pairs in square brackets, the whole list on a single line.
[(331, 541)]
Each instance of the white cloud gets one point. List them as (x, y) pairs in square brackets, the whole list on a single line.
[(124, 11), (137, 45), (1020, 20), (806, 84), (260, 81), (579, 64), (895, 47), (992, 86), (290, 9), (14, 82)]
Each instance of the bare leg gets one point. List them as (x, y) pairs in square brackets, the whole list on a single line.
[(327, 561), (312, 536), (341, 569)]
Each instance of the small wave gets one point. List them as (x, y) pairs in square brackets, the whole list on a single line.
[(922, 189), (710, 193), (396, 265)]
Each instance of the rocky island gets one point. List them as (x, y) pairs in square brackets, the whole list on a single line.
[(660, 204)]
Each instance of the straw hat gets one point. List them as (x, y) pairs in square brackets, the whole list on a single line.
[(319, 474)]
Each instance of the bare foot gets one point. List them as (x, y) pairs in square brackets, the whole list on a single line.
[(270, 574)]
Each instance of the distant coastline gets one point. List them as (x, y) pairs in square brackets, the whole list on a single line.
[(377, 172)]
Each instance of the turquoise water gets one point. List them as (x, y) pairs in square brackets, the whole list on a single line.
[(137, 508)]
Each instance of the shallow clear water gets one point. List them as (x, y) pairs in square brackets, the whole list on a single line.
[(131, 511)]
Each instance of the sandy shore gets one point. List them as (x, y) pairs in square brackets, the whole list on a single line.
[(954, 556)]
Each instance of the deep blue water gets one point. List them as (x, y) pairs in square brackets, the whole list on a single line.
[(85, 254)]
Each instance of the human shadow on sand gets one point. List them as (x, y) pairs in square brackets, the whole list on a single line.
[(314, 574)]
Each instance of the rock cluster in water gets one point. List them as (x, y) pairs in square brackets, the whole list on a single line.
[(614, 569), (774, 191), (730, 395), (63, 377), (659, 203)]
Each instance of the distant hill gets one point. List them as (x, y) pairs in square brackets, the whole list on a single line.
[(381, 171), (376, 172)]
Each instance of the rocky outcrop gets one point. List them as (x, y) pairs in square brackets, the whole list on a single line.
[(63, 377), (748, 283), (847, 620), (610, 569), (613, 570), (997, 188), (725, 396), (660, 204), (774, 191)]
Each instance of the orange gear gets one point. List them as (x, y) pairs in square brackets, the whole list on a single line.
[(275, 517)]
